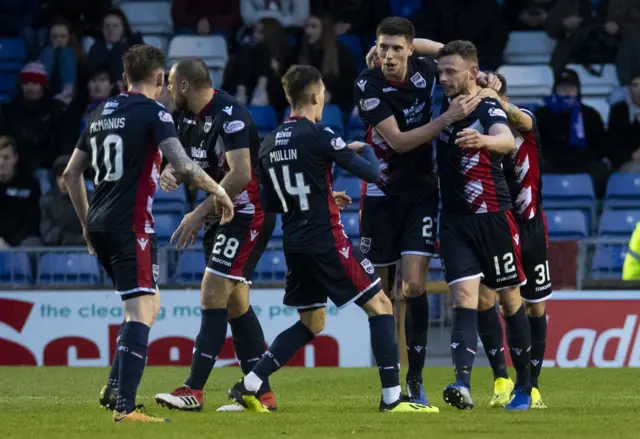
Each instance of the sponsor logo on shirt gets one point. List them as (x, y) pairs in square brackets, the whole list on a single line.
[(496, 112), (389, 89), (369, 104), (361, 84), (228, 109), (233, 127), (165, 117), (338, 143)]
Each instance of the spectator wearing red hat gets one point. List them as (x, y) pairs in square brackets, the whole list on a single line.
[(33, 118)]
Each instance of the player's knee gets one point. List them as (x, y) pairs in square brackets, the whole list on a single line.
[(238, 303), (534, 309), (486, 299), (314, 320), (215, 291), (378, 305), (464, 297), (510, 300), (412, 288)]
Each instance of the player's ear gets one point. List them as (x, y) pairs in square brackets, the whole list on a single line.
[(314, 98), (160, 79), (411, 49), (475, 70)]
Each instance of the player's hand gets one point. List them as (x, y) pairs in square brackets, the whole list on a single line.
[(168, 180), (470, 138), (489, 93), (490, 81), (342, 199), (463, 106), (85, 234), (224, 207), (372, 57), (187, 232), (357, 147)]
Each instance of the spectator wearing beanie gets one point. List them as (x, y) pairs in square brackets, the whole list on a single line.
[(33, 118), (60, 224), (572, 134)]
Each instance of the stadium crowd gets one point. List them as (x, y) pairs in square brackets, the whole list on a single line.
[(63, 80)]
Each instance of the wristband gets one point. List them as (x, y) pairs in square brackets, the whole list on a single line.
[(220, 192)]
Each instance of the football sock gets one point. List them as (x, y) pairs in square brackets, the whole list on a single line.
[(519, 339), (385, 351), (282, 350), (213, 331), (464, 343), (248, 340), (538, 344), (132, 350), (112, 381), (490, 331), (416, 326)]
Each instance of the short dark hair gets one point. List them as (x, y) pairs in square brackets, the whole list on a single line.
[(98, 70), (194, 71), (296, 80), (465, 49), (141, 60), (8, 142), (396, 26), (503, 80)]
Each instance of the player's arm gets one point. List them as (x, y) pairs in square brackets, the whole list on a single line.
[(76, 189), (365, 167), (499, 139), (520, 120)]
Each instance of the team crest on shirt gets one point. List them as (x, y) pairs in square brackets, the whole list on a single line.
[(365, 245), (418, 80), (367, 265), (155, 270), (208, 123)]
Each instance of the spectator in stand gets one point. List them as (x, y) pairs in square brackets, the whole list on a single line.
[(478, 21), (572, 134), (623, 19), (19, 18), (253, 74), (578, 27), (347, 15), (33, 118), (60, 224), (290, 13), (60, 57), (19, 195), (624, 129), (116, 38), (321, 50), (205, 17), (100, 87), (84, 15), (523, 15)]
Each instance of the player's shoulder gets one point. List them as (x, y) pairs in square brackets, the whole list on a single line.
[(370, 80), (424, 64), (327, 136), (490, 107), (227, 107)]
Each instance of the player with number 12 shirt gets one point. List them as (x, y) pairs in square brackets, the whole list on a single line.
[(124, 141)]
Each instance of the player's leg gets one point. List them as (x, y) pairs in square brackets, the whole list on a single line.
[(418, 244), (491, 335), (535, 294), (303, 292), (136, 272), (501, 254)]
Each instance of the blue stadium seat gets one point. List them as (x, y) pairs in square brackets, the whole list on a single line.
[(331, 117), (608, 261), (13, 55), (264, 118), (165, 225), (277, 231), (351, 223), (436, 270), (355, 128), (8, 86), (271, 267), (569, 191), (623, 191), (174, 202), (15, 268), (567, 224), (190, 267), (618, 222), (354, 44), (44, 178), (351, 185), (78, 268)]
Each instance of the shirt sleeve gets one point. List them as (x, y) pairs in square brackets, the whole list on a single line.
[(162, 125), (268, 197), (336, 150), (372, 107), (235, 128), (491, 113)]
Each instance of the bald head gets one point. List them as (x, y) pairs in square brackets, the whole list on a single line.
[(194, 71)]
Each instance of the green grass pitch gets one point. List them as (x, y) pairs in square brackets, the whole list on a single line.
[(62, 402)]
